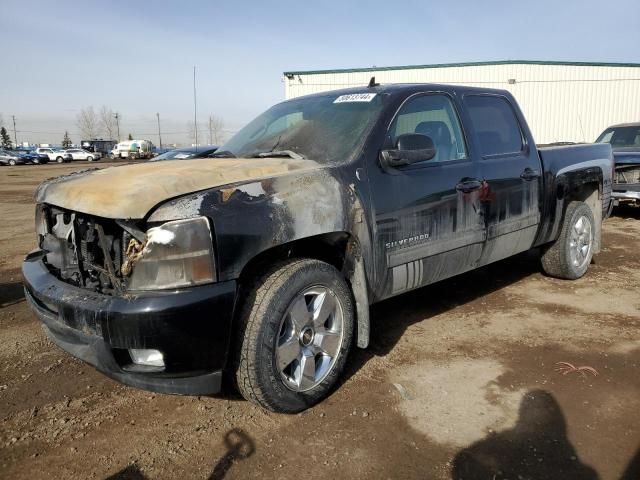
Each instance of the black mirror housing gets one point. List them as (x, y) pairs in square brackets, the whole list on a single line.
[(410, 148)]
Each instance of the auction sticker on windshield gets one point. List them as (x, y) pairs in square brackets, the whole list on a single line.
[(355, 97)]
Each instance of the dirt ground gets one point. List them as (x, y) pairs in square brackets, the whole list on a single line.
[(459, 382)]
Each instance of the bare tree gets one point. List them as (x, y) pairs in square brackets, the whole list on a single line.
[(108, 123), (88, 123), (216, 127), (191, 131)]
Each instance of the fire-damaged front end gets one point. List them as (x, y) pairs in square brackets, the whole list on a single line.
[(137, 267), (141, 306), (626, 186)]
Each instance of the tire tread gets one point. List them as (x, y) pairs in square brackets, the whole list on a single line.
[(554, 259), (260, 296)]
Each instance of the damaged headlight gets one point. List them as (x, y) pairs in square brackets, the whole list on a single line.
[(175, 254)]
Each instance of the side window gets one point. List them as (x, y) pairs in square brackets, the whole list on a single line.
[(495, 123), (434, 116)]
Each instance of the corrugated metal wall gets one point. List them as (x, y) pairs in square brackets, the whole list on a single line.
[(572, 103)]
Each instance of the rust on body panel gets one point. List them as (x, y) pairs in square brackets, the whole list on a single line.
[(132, 191)]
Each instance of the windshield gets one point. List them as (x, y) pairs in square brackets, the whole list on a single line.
[(621, 137), (328, 128)]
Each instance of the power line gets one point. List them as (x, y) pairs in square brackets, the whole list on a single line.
[(150, 134)]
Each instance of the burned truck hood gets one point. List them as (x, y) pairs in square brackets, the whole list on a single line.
[(131, 191)]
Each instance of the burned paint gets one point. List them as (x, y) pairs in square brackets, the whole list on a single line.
[(132, 191)]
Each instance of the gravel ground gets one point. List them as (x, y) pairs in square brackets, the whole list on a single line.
[(459, 382)]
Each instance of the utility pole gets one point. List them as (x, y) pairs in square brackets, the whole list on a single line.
[(210, 131), (159, 135), (117, 115), (15, 138), (195, 107)]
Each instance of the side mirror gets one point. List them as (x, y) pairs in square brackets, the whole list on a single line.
[(410, 148)]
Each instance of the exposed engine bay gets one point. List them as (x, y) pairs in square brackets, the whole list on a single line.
[(87, 251)]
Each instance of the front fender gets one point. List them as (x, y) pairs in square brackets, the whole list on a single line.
[(250, 218)]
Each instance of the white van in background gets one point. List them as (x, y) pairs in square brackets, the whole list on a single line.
[(132, 149)]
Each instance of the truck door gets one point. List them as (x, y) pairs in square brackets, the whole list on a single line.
[(511, 176), (427, 224)]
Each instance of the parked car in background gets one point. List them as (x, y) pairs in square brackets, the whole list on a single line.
[(186, 153), (10, 157), (40, 158), (159, 151), (30, 155), (55, 155), (625, 142), (80, 154)]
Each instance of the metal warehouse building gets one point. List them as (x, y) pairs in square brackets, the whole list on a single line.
[(562, 101)]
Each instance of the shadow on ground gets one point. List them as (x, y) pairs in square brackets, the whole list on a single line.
[(391, 318), (537, 447), (627, 211), (240, 446), (11, 293)]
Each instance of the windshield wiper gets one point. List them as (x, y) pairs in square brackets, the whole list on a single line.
[(222, 154), (278, 153)]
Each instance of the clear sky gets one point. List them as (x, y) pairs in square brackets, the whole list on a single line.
[(136, 57)]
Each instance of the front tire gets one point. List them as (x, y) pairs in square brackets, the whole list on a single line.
[(294, 334), (59, 159), (89, 159), (12, 163), (570, 255)]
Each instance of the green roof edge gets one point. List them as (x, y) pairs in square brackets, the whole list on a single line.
[(464, 64)]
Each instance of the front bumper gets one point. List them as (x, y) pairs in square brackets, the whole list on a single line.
[(190, 326), (626, 192)]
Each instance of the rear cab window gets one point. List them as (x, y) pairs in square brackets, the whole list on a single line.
[(495, 123)]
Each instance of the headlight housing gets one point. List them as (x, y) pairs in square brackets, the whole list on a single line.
[(176, 254)]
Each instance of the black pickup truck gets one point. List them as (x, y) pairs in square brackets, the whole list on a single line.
[(260, 265)]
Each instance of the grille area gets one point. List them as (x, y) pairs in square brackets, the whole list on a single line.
[(82, 250), (628, 175)]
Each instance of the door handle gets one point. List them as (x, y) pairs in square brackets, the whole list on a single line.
[(468, 185), (528, 174)]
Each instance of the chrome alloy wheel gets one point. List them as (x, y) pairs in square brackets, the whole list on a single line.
[(310, 338), (580, 241)]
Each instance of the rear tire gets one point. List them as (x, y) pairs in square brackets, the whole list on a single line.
[(570, 255), (12, 163), (294, 335), (89, 159), (59, 159)]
